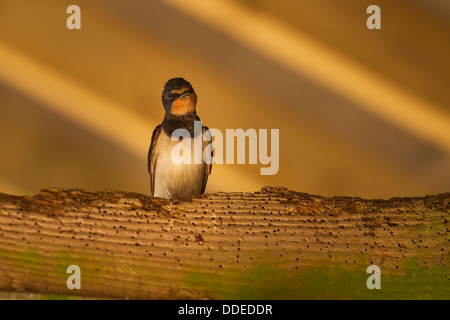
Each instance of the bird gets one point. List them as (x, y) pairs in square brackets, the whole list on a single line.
[(170, 179)]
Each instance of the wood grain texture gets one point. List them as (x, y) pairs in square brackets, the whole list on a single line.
[(271, 244)]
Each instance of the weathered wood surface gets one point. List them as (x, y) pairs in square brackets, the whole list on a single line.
[(272, 244)]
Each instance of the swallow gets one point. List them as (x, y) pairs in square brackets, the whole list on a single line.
[(169, 179)]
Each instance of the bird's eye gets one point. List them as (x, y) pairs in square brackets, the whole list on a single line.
[(171, 97)]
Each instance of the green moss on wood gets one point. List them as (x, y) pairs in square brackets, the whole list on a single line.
[(263, 280)]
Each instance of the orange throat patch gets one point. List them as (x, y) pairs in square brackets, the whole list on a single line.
[(184, 105)]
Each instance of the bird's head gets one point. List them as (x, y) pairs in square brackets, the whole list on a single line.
[(178, 97)]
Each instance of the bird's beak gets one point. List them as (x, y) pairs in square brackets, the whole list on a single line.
[(190, 95), (185, 95)]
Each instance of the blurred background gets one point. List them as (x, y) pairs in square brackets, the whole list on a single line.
[(360, 112)]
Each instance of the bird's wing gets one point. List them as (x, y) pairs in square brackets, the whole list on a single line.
[(151, 160), (207, 144)]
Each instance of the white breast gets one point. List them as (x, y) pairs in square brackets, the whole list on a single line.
[(172, 178)]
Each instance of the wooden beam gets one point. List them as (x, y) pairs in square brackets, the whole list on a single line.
[(271, 244)]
